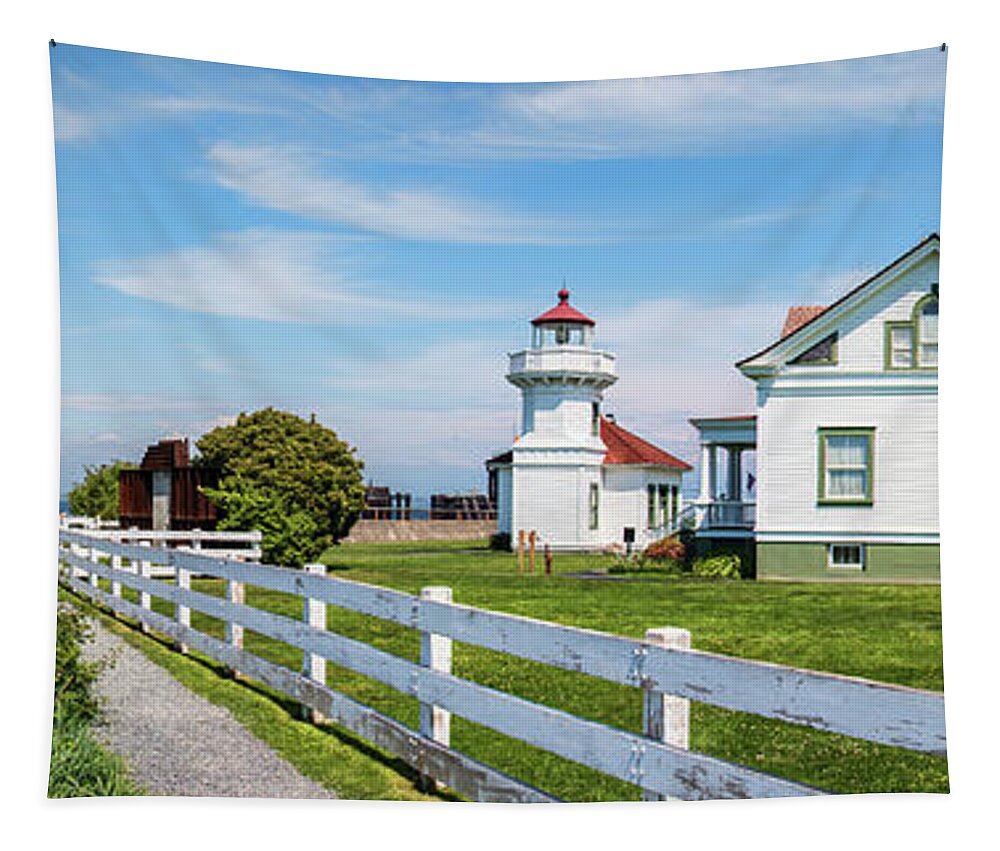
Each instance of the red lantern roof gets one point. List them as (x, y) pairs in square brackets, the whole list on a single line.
[(562, 312)]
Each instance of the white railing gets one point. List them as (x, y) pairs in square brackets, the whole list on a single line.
[(229, 544), (72, 521), (568, 359), (665, 669), (729, 514)]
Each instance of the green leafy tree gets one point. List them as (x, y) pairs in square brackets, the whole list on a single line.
[(293, 479), (97, 494)]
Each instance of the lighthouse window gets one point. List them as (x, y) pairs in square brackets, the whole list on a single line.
[(651, 506), (562, 335), (595, 505), (595, 418)]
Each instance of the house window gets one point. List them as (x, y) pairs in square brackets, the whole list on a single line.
[(845, 466), (846, 555), (899, 353), (927, 332), (664, 491), (675, 499), (595, 505), (824, 353), (914, 344), (651, 506)]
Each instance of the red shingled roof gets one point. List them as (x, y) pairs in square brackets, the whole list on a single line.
[(623, 448), (627, 448), (799, 316), (562, 312)]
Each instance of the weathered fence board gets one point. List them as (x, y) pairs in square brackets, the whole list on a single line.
[(891, 714), (456, 770)]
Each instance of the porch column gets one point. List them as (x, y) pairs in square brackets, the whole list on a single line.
[(735, 486), (708, 469)]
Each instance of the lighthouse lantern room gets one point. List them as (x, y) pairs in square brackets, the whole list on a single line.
[(574, 476)]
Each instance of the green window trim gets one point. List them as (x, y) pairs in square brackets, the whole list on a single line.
[(913, 323), (823, 433)]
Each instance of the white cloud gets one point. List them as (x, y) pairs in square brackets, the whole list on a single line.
[(284, 179), (710, 114), (265, 274)]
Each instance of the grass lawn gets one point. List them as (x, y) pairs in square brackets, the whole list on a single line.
[(890, 633)]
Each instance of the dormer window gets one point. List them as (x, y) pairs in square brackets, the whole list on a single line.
[(927, 332), (914, 344)]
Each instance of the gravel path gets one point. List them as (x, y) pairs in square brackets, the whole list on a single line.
[(176, 742)]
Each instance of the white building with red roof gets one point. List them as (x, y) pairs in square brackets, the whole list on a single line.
[(575, 477)]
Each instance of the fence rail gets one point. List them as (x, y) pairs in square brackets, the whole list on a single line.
[(663, 667), (229, 544)]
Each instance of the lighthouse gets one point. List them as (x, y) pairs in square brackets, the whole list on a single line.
[(574, 476)]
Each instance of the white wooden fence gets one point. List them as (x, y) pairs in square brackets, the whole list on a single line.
[(664, 667), (229, 544)]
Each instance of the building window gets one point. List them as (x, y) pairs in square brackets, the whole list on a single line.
[(899, 345), (845, 465), (846, 555), (595, 418), (914, 344), (824, 353), (651, 506), (927, 333), (595, 506), (664, 491), (675, 501)]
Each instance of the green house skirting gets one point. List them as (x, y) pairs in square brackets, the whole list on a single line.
[(883, 563)]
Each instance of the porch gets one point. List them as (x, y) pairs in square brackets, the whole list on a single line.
[(726, 505)]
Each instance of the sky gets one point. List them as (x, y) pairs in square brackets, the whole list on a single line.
[(369, 251)]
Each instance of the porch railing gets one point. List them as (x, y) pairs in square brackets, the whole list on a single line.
[(730, 514)]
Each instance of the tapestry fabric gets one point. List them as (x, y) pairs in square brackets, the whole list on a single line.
[(498, 442)]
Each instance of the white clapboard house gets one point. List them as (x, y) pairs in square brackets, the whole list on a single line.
[(845, 435), (574, 476)]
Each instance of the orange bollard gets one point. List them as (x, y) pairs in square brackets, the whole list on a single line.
[(520, 552), (531, 552)]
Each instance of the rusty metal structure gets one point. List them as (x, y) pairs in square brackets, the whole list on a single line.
[(462, 506), (383, 504), (164, 492)]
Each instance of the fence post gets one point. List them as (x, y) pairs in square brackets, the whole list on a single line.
[(435, 653), (665, 717), (95, 557), (532, 537), (313, 665), (184, 581), (520, 552), (235, 593), (116, 587), (145, 598)]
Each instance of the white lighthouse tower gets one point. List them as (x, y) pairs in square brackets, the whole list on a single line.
[(573, 476)]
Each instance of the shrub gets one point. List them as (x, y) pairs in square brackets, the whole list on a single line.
[(640, 563), (669, 548), (79, 767), (97, 494), (74, 676), (500, 541), (718, 567), (293, 479)]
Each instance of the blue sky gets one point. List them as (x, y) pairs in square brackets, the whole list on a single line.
[(370, 250)]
